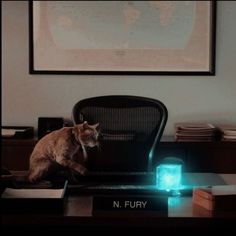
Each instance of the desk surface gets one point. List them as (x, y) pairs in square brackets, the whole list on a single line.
[(78, 212), (177, 206)]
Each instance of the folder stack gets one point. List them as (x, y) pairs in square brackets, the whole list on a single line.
[(193, 132), (228, 132)]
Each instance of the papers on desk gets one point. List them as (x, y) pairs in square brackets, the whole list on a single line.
[(228, 132), (8, 132), (194, 132), (17, 132)]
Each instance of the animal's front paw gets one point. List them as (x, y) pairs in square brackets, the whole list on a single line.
[(32, 178), (84, 171)]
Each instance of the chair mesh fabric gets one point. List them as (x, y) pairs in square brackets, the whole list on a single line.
[(140, 121), (130, 127)]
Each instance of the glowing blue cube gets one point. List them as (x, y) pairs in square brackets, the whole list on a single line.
[(168, 176)]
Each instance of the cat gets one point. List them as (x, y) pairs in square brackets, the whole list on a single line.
[(59, 147)]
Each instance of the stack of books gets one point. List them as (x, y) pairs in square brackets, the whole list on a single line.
[(228, 132), (219, 198), (193, 132)]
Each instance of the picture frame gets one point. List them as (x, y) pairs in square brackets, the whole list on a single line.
[(122, 37)]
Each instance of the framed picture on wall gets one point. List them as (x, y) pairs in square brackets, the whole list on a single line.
[(122, 37)]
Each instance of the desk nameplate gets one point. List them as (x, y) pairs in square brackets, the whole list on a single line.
[(130, 204)]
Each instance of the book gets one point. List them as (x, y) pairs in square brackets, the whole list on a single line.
[(216, 198), (33, 201)]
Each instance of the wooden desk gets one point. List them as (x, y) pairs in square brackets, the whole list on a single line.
[(178, 206), (78, 215), (217, 157), (16, 153)]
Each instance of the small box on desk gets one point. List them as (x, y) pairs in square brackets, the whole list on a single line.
[(216, 198), (33, 200)]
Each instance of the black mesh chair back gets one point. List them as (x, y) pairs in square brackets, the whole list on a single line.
[(130, 129)]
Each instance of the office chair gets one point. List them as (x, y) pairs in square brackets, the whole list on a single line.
[(130, 129)]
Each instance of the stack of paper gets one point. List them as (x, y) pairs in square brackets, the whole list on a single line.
[(216, 198), (228, 132), (8, 132), (193, 132)]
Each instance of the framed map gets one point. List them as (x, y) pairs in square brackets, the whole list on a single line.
[(122, 37)]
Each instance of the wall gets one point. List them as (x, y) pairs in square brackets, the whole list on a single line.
[(26, 97)]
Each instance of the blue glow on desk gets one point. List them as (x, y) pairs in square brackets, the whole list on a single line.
[(168, 177)]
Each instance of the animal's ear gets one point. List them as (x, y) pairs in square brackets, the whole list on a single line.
[(85, 125), (96, 125)]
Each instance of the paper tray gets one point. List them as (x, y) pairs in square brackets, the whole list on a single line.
[(17, 132), (33, 201)]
